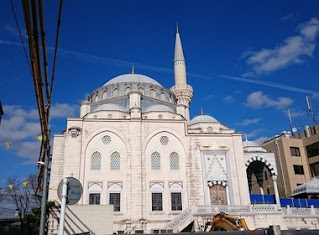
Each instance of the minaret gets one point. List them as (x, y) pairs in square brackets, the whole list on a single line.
[(182, 91)]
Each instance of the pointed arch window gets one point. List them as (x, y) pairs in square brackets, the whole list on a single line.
[(156, 161), (174, 161), (141, 90), (96, 97), (115, 161), (153, 94), (115, 92), (96, 161), (163, 96), (127, 90), (104, 95)]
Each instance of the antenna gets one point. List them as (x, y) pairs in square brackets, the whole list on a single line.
[(308, 103), (310, 111)]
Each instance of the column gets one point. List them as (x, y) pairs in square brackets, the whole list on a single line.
[(274, 178)]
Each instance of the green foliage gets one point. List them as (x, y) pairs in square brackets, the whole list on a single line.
[(33, 219)]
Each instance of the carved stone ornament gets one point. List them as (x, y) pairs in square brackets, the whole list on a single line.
[(74, 131)]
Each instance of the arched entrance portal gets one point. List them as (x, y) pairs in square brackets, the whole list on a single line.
[(218, 194), (259, 178)]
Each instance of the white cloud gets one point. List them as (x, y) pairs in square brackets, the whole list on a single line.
[(209, 97), (290, 16), (291, 51), (105, 60), (63, 111), (247, 122), (315, 95), (294, 113), (253, 133), (21, 126), (258, 100), (229, 99), (11, 30), (261, 140)]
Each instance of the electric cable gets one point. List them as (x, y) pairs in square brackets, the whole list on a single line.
[(20, 35), (44, 49), (56, 48)]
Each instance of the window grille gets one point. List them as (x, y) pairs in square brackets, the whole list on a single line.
[(160, 116), (176, 201), (210, 129), (115, 161), (115, 200), (164, 140), (96, 161), (106, 139), (174, 161), (157, 202), (156, 161), (109, 116), (94, 198)]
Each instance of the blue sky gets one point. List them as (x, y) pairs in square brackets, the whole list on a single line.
[(248, 61)]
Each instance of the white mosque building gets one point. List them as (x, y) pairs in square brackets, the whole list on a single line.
[(134, 146)]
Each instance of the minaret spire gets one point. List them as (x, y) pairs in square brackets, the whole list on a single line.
[(179, 55), (182, 91)]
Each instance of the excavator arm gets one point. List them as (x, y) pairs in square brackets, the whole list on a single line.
[(224, 222)]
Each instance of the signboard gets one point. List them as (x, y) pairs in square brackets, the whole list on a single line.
[(75, 191)]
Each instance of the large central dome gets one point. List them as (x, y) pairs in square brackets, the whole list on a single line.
[(135, 78)]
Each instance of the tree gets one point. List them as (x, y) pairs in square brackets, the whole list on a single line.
[(33, 219), (22, 196)]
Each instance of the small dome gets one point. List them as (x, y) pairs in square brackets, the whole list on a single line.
[(110, 107), (250, 144), (132, 77), (159, 108), (202, 119)]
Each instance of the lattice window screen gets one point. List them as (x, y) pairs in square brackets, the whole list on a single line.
[(115, 161), (156, 161), (106, 139), (96, 161), (174, 161), (164, 140)]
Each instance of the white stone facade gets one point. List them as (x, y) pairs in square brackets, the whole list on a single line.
[(201, 159), (134, 146)]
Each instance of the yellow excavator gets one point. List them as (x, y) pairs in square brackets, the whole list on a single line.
[(224, 222)]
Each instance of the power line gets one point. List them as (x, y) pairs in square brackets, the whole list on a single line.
[(56, 48), (20, 35)]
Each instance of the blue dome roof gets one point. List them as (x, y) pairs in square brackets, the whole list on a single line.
[(132, 77), (202, 119)]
